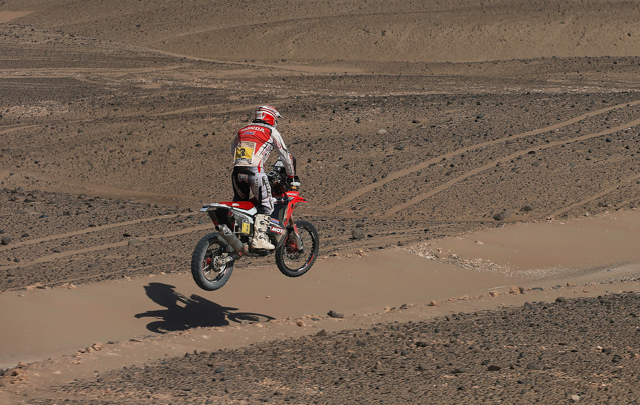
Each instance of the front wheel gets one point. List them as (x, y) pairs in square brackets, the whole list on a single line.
[(293, 257), (209, 266)]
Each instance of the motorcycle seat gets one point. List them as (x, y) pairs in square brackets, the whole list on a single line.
[(243, 205)]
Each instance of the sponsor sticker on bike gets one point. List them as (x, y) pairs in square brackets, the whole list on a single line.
[(246, 228), (277, 230)]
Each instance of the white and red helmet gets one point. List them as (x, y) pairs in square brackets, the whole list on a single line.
[(268, 115)]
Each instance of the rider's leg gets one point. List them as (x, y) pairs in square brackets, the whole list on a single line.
[(262, 190), (240, 179)]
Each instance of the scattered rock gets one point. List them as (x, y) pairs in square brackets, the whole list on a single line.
[(434, 303), (134, 242), (534, 366), (322, 333), (561, 299), (493, 293), (514, 290), (494, 368), (526, 208), (334, 314), (18, 375), (5, 240), (502, 215), (358, 233)]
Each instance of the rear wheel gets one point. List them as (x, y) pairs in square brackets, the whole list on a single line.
[(209, 266), (293, 258)]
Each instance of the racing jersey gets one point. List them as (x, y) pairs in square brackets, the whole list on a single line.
[(253, 144)]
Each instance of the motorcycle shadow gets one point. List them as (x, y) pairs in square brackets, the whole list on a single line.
[(184, 312)]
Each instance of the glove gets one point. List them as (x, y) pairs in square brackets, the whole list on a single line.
[(293, 181)]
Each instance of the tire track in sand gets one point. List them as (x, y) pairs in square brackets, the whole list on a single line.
[(405, 172), (595, 196), (505, 159), (86, 231), (108, 191), (6, 131), (56, 256)]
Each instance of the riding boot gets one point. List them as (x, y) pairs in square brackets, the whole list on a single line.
[(260, 239)]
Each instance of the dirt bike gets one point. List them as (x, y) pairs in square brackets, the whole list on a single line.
[(296, 242)]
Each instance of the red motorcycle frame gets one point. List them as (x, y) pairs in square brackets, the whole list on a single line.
[(296, 242)]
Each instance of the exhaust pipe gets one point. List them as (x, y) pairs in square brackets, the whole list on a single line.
[(231, 239)]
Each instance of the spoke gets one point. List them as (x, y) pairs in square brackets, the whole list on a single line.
[(296, 259)]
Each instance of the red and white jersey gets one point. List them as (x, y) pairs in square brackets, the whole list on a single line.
[(254, 143)]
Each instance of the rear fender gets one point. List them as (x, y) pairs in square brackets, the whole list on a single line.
[(223, 214)]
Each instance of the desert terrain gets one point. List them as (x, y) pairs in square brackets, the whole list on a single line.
[(472, 168)]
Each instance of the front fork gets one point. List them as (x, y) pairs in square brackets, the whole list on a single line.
[(296, 241)]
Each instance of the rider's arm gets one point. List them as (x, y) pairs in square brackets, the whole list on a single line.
[(284, 154), (233, 146)]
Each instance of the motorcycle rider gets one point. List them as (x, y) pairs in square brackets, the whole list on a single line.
[(251, 148)]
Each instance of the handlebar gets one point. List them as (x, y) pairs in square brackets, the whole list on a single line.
[(280, 181)]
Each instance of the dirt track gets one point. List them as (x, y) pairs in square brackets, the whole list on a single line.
[(561, 352), (115, 124)]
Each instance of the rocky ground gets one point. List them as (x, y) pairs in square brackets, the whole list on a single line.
[(115, 125), (568, 351), (389, 159)]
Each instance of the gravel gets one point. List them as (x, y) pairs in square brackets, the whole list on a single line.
[(583, 349)]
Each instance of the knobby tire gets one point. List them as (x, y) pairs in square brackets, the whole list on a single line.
[(210, 246), (284, 253)]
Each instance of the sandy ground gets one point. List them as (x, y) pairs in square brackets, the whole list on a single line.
[(450, 153), (70, 333)]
